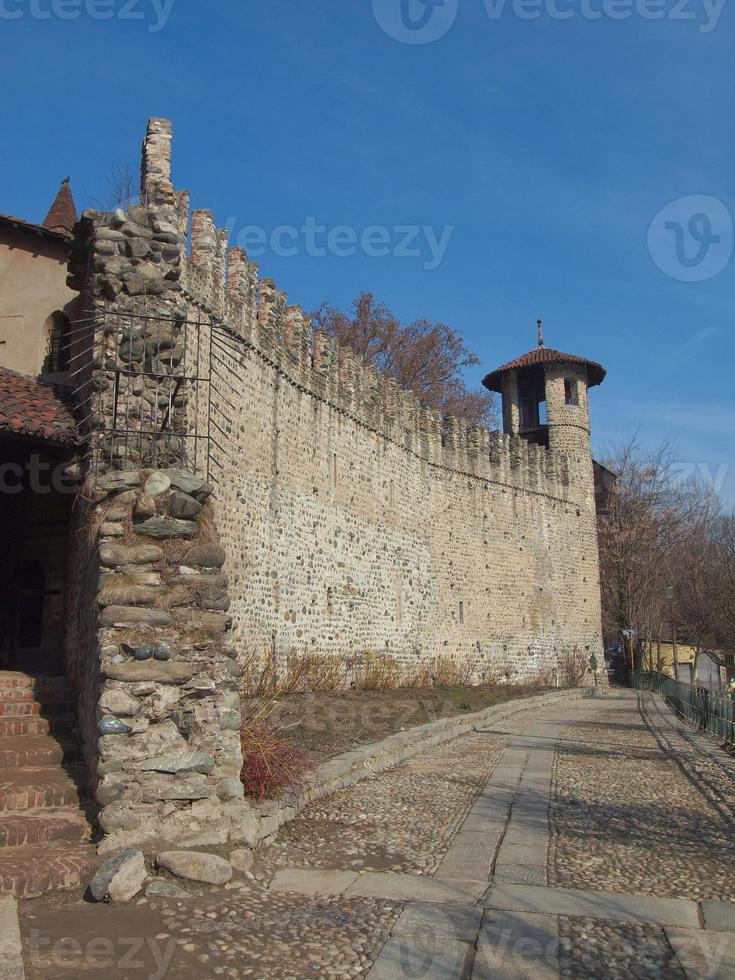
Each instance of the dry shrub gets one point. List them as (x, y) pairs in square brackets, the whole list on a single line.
[(573, 667), (259, 674), (270, 763), (301, 673), (544, 677), (446, 672), (376, 672), (325, 672), (506, 672)]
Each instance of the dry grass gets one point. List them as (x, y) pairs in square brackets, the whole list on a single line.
[(263, 677), (270, 762), (573, 667), (376, 672)]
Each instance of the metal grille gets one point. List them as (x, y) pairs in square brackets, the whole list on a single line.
[(703, 709), (144, 388)]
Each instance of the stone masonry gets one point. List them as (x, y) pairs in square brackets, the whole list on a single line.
[(353, 519), (164, 740)]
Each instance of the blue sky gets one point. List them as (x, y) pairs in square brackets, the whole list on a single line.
[(542, 150)]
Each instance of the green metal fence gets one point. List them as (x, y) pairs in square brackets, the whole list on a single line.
[(713, 713)]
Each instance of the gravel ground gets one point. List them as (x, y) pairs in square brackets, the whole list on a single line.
[(628, 816), (279, 937), (403, 819), (239, 931), (595, 950)]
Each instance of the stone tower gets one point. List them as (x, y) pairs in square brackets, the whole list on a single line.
[(545, 395)]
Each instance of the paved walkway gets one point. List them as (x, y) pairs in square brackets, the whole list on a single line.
[(489, 910), (522, 860)]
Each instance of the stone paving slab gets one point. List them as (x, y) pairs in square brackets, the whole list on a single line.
[(476, 823), (422, 959), (415, 888), (11, 956), (307, 881), (719, 915), (470, 855), (459, 922), (517, 946), (703, 955), (531, 853), (600, 905), (519, 874)]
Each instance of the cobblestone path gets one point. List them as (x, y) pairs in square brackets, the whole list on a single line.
[(585, 839), (634, 813)]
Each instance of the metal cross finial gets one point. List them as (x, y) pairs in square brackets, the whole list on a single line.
[(540, 333)]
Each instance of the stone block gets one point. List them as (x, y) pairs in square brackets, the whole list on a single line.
[(196, 866), (120, 878), (112, 555), (133, 615)]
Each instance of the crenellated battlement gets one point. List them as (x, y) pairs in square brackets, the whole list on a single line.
[(225, 286)]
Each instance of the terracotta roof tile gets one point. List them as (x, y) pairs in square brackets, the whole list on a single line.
[(545, 355), (31, 408)]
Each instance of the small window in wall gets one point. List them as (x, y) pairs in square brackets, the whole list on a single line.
[(461, 613), (571, 391), (59, 343), (334, 469)]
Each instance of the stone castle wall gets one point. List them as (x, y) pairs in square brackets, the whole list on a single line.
[(353, 519)]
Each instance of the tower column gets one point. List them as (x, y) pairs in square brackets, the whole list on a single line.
[(511, 406)]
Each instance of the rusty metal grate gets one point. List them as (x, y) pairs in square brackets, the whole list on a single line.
[(143, 387)]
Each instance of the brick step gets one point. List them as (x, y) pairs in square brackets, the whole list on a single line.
[(43, 695), (37, 750), (27, 872), (37, 789), (13, 680), (36, 725), (30, 828), (31, 709)]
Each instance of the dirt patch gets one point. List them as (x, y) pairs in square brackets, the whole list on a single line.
[(330, 723)]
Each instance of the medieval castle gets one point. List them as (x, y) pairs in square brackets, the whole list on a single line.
[(246, 484)]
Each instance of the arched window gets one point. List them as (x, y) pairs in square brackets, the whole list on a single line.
[(59, 343)]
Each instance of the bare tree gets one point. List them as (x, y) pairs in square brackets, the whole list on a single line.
[(122, 188), (424, 356), (658, 533)]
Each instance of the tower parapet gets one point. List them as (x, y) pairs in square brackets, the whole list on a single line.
[(545, 396)]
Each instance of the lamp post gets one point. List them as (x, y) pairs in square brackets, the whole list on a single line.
[(674, 657)]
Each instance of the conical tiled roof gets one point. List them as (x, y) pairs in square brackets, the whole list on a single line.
[(62, 215), (545, 355)]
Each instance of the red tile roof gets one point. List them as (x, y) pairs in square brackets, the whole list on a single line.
[(545, 355), (31, 229), (62, 215), (28, 407)]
